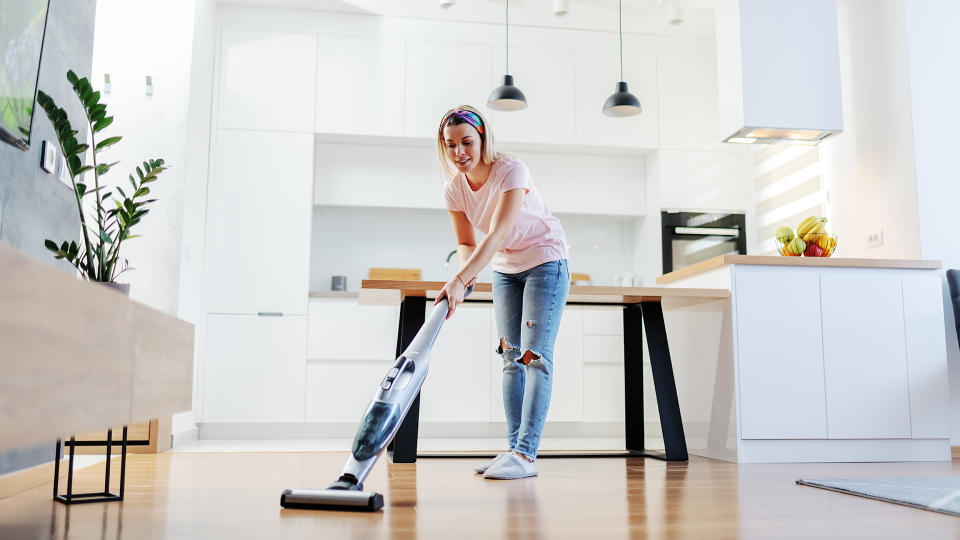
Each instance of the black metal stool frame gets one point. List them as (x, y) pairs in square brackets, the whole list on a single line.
[(97, 496)]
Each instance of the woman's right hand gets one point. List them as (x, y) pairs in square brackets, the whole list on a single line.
[(454, 292)]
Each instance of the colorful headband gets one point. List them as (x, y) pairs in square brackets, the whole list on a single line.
[(471, 118)]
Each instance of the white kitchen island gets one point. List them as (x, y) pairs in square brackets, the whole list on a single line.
[(813, 360)]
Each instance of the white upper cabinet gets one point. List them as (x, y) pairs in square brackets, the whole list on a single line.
[(267, 80), (546, 78), (689, 115), (360, 85), (589, 183), (703, 180), (441, 76), (597, 75), (381, 175), (259, 222)]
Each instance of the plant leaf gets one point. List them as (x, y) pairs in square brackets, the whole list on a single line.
[(106, 143), (141, 192), (102, 124), (81, 189), (72, 77), (51, 245), (92, 99)]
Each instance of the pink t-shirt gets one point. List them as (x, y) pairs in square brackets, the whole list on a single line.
[(537, 236)]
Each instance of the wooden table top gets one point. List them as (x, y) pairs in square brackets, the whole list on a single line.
[(777, 260), (378, 290)]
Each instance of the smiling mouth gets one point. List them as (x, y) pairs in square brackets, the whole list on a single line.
[(464, 162)]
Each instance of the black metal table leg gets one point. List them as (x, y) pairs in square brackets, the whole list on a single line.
[(403, 448), (663, 381), (633, 377)]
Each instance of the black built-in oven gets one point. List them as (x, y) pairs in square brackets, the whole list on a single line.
[(691, 237)]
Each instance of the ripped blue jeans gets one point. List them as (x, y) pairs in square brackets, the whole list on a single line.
[(528, 306)]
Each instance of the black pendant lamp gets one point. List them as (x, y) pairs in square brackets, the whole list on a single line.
[(507, 97), (622, 102)]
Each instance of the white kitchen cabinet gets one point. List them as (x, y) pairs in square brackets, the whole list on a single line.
[(583, 183), (689, 114), (441, 76), (598, 72), (342, 329), (709, 180), (254, 369), (391, 176), (603, 394), (259, 222), (925, 340), (567, 395), (604, 321), (781, 354), (546, 78), (341, 392), (457, 387), (857, 341), (566, 403), (267, 80), (360, 85)]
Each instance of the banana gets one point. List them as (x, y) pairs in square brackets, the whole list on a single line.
[(817, 229), (805, 225)]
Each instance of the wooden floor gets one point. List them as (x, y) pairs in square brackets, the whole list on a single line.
[(220, 495)]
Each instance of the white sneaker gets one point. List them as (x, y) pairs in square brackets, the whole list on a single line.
[(511, 467), (483, 468)]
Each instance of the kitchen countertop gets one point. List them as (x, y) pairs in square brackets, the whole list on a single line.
[(376, 291), (777, 260)]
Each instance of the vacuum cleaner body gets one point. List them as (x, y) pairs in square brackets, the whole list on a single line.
[(394, 396)]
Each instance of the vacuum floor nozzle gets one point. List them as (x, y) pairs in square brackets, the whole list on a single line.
[(331, 499)]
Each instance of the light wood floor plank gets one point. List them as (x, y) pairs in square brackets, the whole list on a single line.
[(219, 495)]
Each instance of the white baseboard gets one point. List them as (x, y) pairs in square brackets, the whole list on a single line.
[(186, 436)]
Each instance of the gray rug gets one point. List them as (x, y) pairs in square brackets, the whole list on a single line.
[(939, 494)]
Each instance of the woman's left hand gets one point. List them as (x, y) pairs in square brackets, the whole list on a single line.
[(453, 291)]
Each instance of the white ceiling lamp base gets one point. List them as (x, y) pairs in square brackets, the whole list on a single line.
[(561, 7), (447, 3)]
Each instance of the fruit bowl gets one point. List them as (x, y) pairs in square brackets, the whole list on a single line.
[(816, 245)]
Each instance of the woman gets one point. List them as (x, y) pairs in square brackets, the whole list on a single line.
[(494, 193)]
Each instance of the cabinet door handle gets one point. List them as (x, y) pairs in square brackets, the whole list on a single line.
[(269, 314)]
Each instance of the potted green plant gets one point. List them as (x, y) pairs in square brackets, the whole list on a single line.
[(111, 218)]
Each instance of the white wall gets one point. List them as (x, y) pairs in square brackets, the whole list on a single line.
[(932, 44), (133, 39), (869, 168)]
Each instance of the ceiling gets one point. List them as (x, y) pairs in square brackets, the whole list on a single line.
[(639, 16)]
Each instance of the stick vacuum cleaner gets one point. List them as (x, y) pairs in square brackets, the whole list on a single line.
[(395, 395)]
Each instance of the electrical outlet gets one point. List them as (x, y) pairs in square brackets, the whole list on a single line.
[(875, 239), (63, 175)]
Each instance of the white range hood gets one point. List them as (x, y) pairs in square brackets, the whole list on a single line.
[(778, 68)]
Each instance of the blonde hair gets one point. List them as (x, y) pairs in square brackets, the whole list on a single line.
[(487, 146)]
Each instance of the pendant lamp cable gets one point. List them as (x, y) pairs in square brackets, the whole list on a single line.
[(620, 18), (507, 31)]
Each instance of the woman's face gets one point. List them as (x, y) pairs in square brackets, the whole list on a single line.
[(463, 146)]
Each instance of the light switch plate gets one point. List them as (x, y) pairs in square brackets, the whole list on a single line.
[(875, 238), (48, 158), (63, 173)]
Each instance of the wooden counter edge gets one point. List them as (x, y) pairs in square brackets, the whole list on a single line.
[(581, 293), (776, 260)]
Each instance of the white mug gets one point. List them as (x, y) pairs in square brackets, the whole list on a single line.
[(627, 280)]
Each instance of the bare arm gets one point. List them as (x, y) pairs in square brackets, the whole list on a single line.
[(504, 216), (474, 257)]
